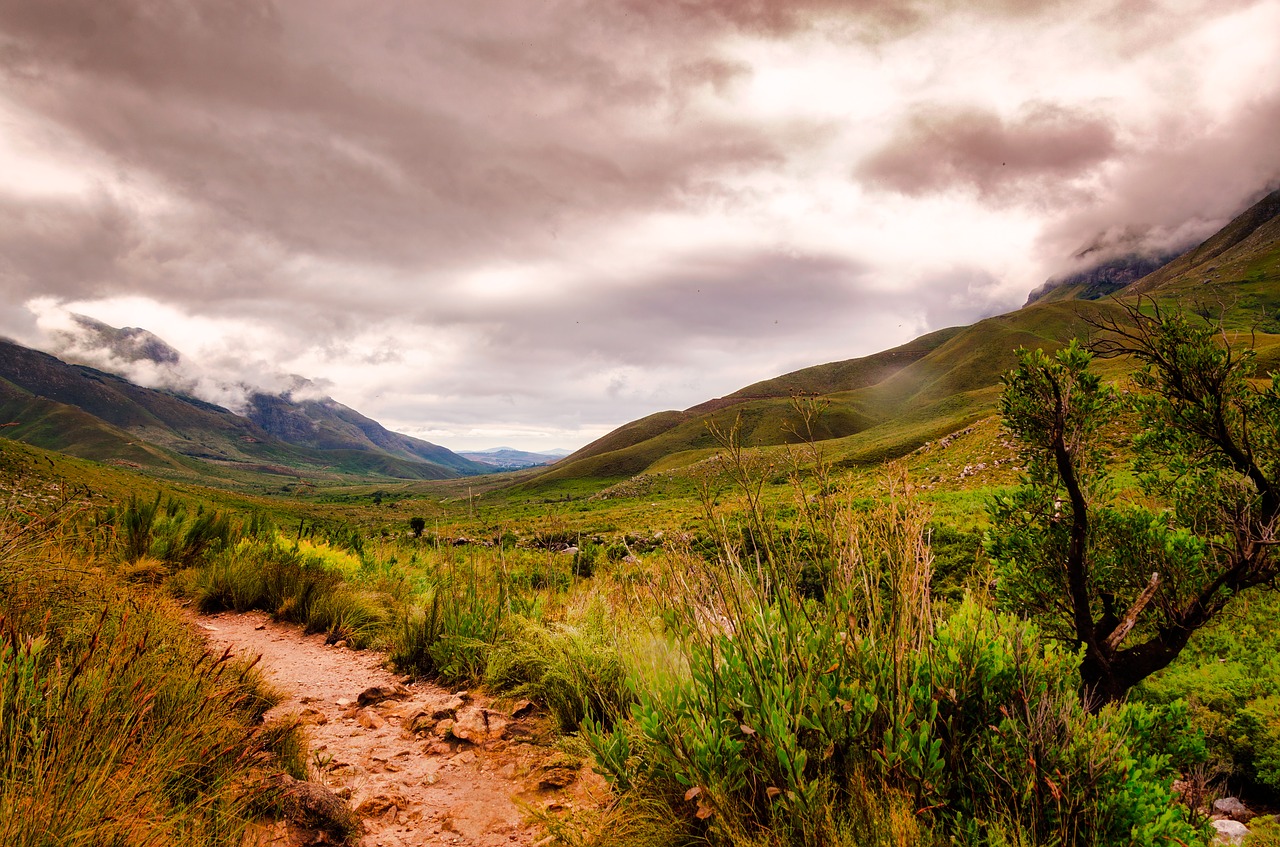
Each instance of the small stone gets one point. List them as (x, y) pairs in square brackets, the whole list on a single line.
[(338, 645), (444, 728), (462, 695), (522, 708), (343, 702), (381, 804), (369, 719), (260, 627), (313, 717)]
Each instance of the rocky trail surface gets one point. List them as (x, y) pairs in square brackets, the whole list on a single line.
[(419, 764)]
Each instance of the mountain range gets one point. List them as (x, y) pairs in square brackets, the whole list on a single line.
[(88, 412), (872, 408)]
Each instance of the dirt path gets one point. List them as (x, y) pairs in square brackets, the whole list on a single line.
[(421, 765)]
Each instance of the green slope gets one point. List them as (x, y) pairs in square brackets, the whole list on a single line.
[(89, 413), (890, 403)]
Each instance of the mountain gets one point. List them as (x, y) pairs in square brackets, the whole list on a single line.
[(129, 344), (510, 459), (1101, 280), (326, 424), (93, 414), (1239, 261), (886, 405)]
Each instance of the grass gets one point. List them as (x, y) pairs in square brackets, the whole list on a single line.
[(116, 727)]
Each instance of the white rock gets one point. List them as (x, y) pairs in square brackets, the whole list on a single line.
[(1230, 832)]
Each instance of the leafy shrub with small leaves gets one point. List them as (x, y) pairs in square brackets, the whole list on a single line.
[(807, 722)]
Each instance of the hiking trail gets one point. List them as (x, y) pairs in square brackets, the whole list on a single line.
[(419, 763)]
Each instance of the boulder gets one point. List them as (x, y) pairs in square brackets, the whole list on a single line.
[(315, 807), (479, 725), (1230, 832), (1232, 808), (558, 770), (448, 708)]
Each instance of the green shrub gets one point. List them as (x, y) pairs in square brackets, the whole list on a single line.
[(450, 631), (577, 671), (292, 587), (806, 722)]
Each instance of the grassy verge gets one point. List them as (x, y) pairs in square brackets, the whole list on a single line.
[(116, 727)]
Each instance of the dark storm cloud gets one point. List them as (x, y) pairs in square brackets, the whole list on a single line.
[(482, 143), (64, 247), (941, 148), (861, 19), (723, 300)]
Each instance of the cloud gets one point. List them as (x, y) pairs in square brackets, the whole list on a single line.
[(1186, 183), (1044, 148), (64, 247), (258, 135), (487, 217)]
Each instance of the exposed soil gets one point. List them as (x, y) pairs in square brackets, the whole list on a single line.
[(420, 764)]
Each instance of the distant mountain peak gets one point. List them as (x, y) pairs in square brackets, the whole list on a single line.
[(129, 344)]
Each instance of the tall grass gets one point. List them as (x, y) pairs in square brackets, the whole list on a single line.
[(116, 728), (864, 718), (293, 586)]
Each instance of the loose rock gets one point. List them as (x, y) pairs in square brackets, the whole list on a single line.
[(369, 719), (377, 693), (313, 717)]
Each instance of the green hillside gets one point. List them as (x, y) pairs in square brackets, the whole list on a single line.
[(89, 413), (888, 404)]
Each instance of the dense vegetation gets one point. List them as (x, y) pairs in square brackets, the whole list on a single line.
[(116, 726)]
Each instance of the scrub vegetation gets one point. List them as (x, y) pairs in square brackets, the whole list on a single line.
[(756, 644)]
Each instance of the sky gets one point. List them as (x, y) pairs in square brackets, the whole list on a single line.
[(527, 222)]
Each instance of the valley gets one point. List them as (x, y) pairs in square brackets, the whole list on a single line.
[(837, 606)]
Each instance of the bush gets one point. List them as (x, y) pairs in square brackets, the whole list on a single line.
[(806, 722), (576, 671)]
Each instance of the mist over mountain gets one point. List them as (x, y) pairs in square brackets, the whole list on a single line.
[(1103, 279), (100, 412)]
